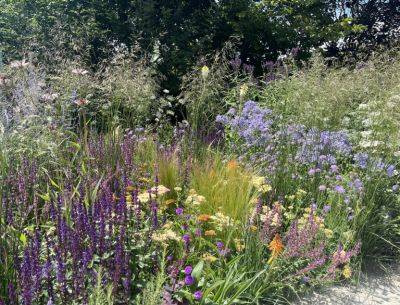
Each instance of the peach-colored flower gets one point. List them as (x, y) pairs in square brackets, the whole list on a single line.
[(210, 233), (204, 217)]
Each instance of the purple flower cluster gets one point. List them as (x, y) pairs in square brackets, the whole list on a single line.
[(265, 140), (253, 124)]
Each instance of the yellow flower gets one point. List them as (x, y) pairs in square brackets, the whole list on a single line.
[(130, 188), (210, 233), (300, 193), (145, 197), (209, 257), (204, 217), (239, 245), (243, 90), (328, 233), (291, 197), (347, 272), (129, 198), (164, 237), (143, 179), (177, 189), (160, 190), (276, 247), (253, 228), (205, 71), (169, 201)]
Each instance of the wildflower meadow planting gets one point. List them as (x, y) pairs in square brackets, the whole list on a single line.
[(247, 185)]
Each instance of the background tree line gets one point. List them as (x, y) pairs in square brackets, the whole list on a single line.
[(180, 32)]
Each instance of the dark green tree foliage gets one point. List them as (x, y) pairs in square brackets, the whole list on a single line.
[(182, 32)]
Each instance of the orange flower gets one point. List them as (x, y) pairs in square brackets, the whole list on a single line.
[(210, 233), (232, 164), (276, 247), (204, 217)]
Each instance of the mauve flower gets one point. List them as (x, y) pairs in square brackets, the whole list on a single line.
[(340, 189), (322, 188), (188, 270), (311, 172), (198, 232), (334, 168), (189, 280), (326, 209), (390, 170), (179, 211), (198, 295), (186, 238)]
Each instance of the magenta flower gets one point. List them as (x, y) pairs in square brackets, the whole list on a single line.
[(198, 295), (188, 270), (189, 280), (186, 238)]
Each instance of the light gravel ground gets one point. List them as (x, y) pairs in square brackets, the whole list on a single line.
[(376, 287)]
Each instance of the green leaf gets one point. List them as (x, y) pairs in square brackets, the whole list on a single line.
[(198, 269)]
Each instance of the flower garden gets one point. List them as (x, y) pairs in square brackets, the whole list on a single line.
[(293, 183)]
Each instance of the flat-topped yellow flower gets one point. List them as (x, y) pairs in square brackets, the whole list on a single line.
[(347, 272), (209, 257)]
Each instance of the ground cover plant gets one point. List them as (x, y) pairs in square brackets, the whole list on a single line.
[(261, 193)]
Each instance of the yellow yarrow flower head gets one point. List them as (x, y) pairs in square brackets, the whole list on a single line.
[(239, 245), (347, 272), (209, 257)]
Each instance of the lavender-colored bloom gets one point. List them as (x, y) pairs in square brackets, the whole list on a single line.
[(198, 295), (340, 189), (334, 168), (326, 209), (189, 280), (390, 170), (311, 172), (220, 245), (188, 270), (395, 188), (179, 211), (361, 159)]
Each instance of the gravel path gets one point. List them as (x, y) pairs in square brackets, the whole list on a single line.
[(375, 288)]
